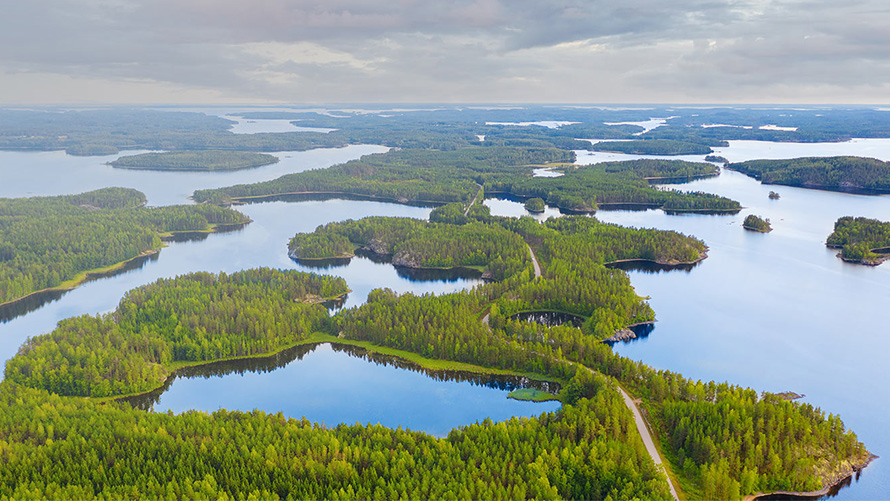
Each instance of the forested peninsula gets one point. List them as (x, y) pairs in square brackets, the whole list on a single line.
[(439, 177), (54, 242), (861, 240), (850, 174), (208, 160)]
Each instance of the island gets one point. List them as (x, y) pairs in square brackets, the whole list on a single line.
[(859, 175), (716, 159), (758, 224), (207, 160), (667, 147), (58, 242), (774, 195), (535, 205), (861, 240)]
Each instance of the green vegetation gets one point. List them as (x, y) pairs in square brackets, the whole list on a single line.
[(653, 147), (723, 441), (616, 184), (455, 176), (854, 174), (532, 395), (48, 242), (756, 223), (535, 205), (212, 160), (774, 196), (403, 175), (63, 448), (88, 150), (418, 244), (193, 318), (861, 240), (716, 159)]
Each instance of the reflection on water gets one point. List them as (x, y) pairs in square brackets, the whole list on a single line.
[(549, 318), (346, 384), (38, 299), (646, 266)]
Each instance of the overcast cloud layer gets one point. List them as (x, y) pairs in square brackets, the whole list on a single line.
[(738, 51)]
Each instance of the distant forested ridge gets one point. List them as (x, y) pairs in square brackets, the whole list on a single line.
[(210, 160), (101, 132), (855, 174), (653, 147), (455, 176), (47, 241), (861, 240), (192, 318)]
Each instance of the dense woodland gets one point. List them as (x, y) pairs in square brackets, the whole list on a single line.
[(585, 188), (826, 173), (653, 147), (417, 244), (209, 160), (756, 223), (192, 318), (861, 240), (63, 448), (46, 241), (410, 175), (455, 176)]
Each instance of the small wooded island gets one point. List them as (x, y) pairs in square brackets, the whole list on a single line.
[(206, 160), (861, 240), (535, 205), (756, 223)]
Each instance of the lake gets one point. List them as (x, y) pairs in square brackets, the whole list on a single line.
[(335, 384), (29, 174)]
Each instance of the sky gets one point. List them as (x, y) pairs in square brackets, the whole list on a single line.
[(441, 51)]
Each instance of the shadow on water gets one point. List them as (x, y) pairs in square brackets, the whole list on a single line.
[(832, 492), (641, 331), (412, 274), (650, 266), (147, 401)]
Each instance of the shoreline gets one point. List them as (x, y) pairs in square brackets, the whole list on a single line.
[(84, 276), (242, 200), (854, 469)]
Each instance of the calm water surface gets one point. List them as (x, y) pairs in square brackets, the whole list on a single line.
[(28, 174), (337, 384)]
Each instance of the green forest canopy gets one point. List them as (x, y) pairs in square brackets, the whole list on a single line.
[(48, 241), (208, 160), (827, 173), (860, 238)]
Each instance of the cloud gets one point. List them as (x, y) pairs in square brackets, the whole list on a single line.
[(457, 50)]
